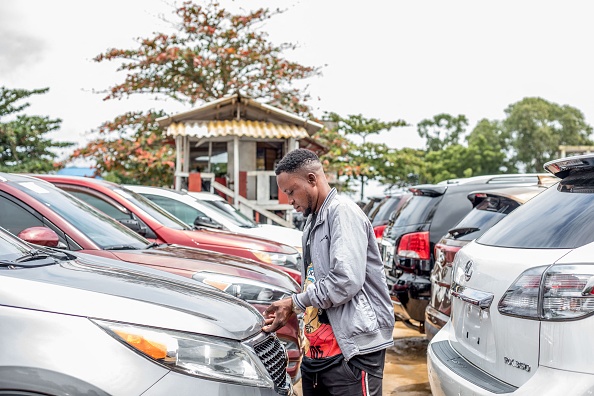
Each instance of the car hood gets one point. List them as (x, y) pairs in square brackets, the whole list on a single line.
[(229, 239), (199, 260), (115, 291), (288, 236)]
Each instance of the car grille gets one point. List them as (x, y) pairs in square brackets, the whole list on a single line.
[(274, 357)]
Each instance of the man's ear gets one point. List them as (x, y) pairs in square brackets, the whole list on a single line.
[(311, 178)]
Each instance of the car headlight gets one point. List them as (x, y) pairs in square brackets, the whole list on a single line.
[(287, 260), (192, 354), (249, 290)]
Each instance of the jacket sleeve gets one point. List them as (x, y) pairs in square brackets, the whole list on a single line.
[(348, 258)]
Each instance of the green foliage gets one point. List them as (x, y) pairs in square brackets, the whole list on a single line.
[(212, 54), (361, 162), (442, 131), (403, 168), (537, 128), (23, 147)]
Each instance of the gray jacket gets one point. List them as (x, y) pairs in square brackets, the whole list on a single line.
[(350, 281)]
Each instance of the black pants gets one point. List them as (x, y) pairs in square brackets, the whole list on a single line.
[(341, 380)]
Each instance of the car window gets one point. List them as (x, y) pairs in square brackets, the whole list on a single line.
[(182, 211), (385, 210), (102, 205), (417, 210), (98, 227), (234, 214), (16, 218), (487, 213), (560, 217), (157, 213)]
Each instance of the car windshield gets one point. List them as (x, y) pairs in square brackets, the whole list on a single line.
[(560, 217), (234, 214), (98, 227), (482, 217), (10, 249), (157, 213)]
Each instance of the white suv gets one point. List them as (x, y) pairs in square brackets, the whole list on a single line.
[(523, 298)]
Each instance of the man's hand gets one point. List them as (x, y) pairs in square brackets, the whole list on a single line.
[(277, 314)]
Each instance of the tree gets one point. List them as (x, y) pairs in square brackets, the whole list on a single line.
[(364, 161), (131, 150), (23, 147), (214, 53), (537, 128), (442, 131), (488, 146), (403, 168)]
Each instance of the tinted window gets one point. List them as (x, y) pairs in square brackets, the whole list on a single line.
[(385, 210), (482, 217), (559, 218), (417, 210)]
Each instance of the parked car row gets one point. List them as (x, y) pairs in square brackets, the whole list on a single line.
[(409, 240), (106, 237), (522, 305)]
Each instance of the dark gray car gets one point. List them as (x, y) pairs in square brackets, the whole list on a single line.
[(84, 325)]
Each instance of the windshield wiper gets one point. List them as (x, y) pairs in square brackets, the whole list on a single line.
[(153, 245), (458, 232), (120, 247), (34, 258)]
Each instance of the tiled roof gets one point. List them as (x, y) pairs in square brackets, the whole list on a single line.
[(242, 128)]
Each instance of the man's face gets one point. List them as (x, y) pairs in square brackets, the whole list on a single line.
[(301, 193)]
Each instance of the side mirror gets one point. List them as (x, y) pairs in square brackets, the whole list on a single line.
[(206, 222), (40, 236), (134, 225)]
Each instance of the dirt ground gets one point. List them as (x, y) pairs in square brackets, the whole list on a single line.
[(405, 373)]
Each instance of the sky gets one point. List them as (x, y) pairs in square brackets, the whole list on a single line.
[(389, 60)]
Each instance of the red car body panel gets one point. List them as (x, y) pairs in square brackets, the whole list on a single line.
[(218, 241)]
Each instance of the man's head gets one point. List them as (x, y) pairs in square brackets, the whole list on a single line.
[(300, 175)]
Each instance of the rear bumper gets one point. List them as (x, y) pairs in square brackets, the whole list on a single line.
[(450, 374)]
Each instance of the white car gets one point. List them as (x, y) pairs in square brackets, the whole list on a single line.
[(523, 299), (212, 211)]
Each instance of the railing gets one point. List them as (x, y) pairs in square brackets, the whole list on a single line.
[(244, 201)]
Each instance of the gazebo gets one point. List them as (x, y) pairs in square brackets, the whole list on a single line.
[(231, 146)]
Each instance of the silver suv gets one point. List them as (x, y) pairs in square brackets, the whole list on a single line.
[(523, 298), (85, 325)]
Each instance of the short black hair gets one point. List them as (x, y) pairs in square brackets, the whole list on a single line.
[(295, 160)]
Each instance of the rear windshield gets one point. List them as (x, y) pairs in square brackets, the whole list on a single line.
[(482, 217), (417, 210), (561, 217), (385, 210)]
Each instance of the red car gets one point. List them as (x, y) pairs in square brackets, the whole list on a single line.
[(155, 224), (42, 214)]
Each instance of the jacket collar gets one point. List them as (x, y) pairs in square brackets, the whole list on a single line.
[(322, 211)]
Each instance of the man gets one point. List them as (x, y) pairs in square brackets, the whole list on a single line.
[(348, 314)]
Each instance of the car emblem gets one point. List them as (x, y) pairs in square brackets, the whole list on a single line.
[(468, 270)]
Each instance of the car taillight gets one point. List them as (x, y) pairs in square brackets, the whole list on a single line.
[(558, 292), (379, 232), (414, 245)]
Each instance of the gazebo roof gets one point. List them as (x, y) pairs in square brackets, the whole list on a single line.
[(237, 115)]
